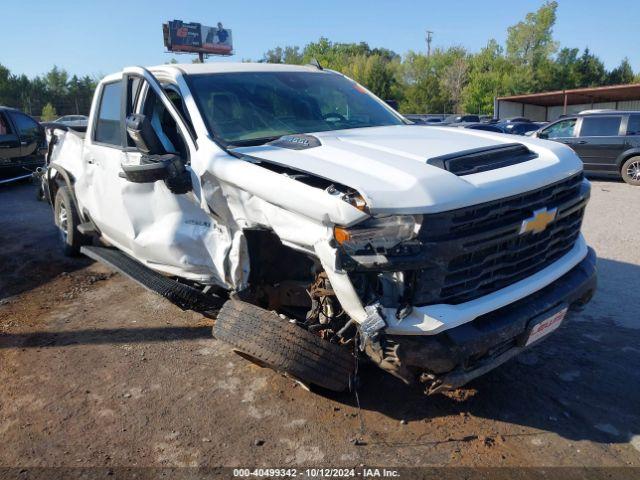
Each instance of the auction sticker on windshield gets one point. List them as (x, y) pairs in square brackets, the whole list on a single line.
[(546, 326)]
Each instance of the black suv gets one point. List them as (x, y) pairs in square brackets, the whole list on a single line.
[(22, 142), (607, 142)]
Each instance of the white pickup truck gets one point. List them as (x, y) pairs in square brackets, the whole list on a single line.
[(327, 226)]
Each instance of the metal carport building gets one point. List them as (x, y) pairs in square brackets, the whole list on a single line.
[(548, 106)]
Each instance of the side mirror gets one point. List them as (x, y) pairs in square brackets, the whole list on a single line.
[(155, 164), (541, 135), (141, 132), (170, 168)]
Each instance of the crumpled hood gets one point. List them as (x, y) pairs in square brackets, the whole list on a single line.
[(388, 166)]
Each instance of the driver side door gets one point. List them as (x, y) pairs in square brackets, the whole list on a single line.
[(169, 232), (563, 131)]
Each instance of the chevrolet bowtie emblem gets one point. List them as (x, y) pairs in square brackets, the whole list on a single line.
[(539, 221)]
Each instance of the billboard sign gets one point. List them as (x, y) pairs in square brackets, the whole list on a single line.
[(194, 37)]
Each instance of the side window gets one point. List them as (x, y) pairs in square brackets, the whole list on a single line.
[(178, 102), (633, 127), (600, 126), (27, 127), (5, 128), (563, 128), (164, 125), (108, 124)]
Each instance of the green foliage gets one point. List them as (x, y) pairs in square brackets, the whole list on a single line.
[(55, 89), (453, 80), (449, 80), (48, 113), (531, 41), (623, 73)]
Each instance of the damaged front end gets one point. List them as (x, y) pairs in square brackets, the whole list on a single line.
[(408, 266)]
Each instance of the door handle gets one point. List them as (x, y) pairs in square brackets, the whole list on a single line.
[(581, 142), (24, 144)]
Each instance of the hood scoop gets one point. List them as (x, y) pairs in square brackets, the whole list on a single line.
[(483, 159)]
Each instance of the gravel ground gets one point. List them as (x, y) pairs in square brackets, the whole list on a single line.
[(97, 372)]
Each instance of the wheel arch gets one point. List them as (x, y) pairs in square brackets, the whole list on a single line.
[(626, 155), (58, 176)]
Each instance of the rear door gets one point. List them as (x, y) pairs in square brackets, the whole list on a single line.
[(599, 142)]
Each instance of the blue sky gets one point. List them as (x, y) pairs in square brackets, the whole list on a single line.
[(99, 37)]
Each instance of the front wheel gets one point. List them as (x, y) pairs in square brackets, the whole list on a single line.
[(631, 171), (67, 221), (262, 337)]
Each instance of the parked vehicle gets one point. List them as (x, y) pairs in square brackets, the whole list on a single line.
[(477, 126), (462, 118), (21, 145), (519, 128), (324, 224), (607, 142), (73, 120), (515, 120), (484, 126), (423, 119)]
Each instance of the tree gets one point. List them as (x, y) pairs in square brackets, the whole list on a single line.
[(454, 80), (623, 73), (56, 80), (289, 55), (531, 41), (590, 70), (48, 113), (425, 89)]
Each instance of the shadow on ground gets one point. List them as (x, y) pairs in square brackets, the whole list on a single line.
[(102, 336), (31, 255), (581, 383)]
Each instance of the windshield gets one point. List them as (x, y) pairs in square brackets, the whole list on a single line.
[(250, 107)]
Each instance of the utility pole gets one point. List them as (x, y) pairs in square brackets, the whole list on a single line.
[(429, 37)]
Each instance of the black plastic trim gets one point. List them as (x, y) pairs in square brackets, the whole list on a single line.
[(483, 159)]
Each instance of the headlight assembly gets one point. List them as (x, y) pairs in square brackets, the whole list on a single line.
[(378, 233)]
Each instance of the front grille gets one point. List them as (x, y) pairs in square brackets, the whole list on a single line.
[(474, 251)]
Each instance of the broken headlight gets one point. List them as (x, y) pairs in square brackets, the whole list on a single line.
[(378, 233)]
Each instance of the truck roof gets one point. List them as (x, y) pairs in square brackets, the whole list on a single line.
[(226, 67)]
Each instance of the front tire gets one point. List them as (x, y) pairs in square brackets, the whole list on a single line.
[(262, 337), (67, 221), (630, 171)]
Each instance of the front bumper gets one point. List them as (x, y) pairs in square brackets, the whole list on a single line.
[(454, 357)]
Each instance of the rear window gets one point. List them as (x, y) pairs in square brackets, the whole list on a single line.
[(600, 126), (633, 127), (108, 124)]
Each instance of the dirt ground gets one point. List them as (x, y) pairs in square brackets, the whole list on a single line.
[(97, 371)]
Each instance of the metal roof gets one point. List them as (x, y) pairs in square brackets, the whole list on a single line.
[(610, 93)]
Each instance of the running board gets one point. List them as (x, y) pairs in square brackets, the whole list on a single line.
[(184, 296)]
